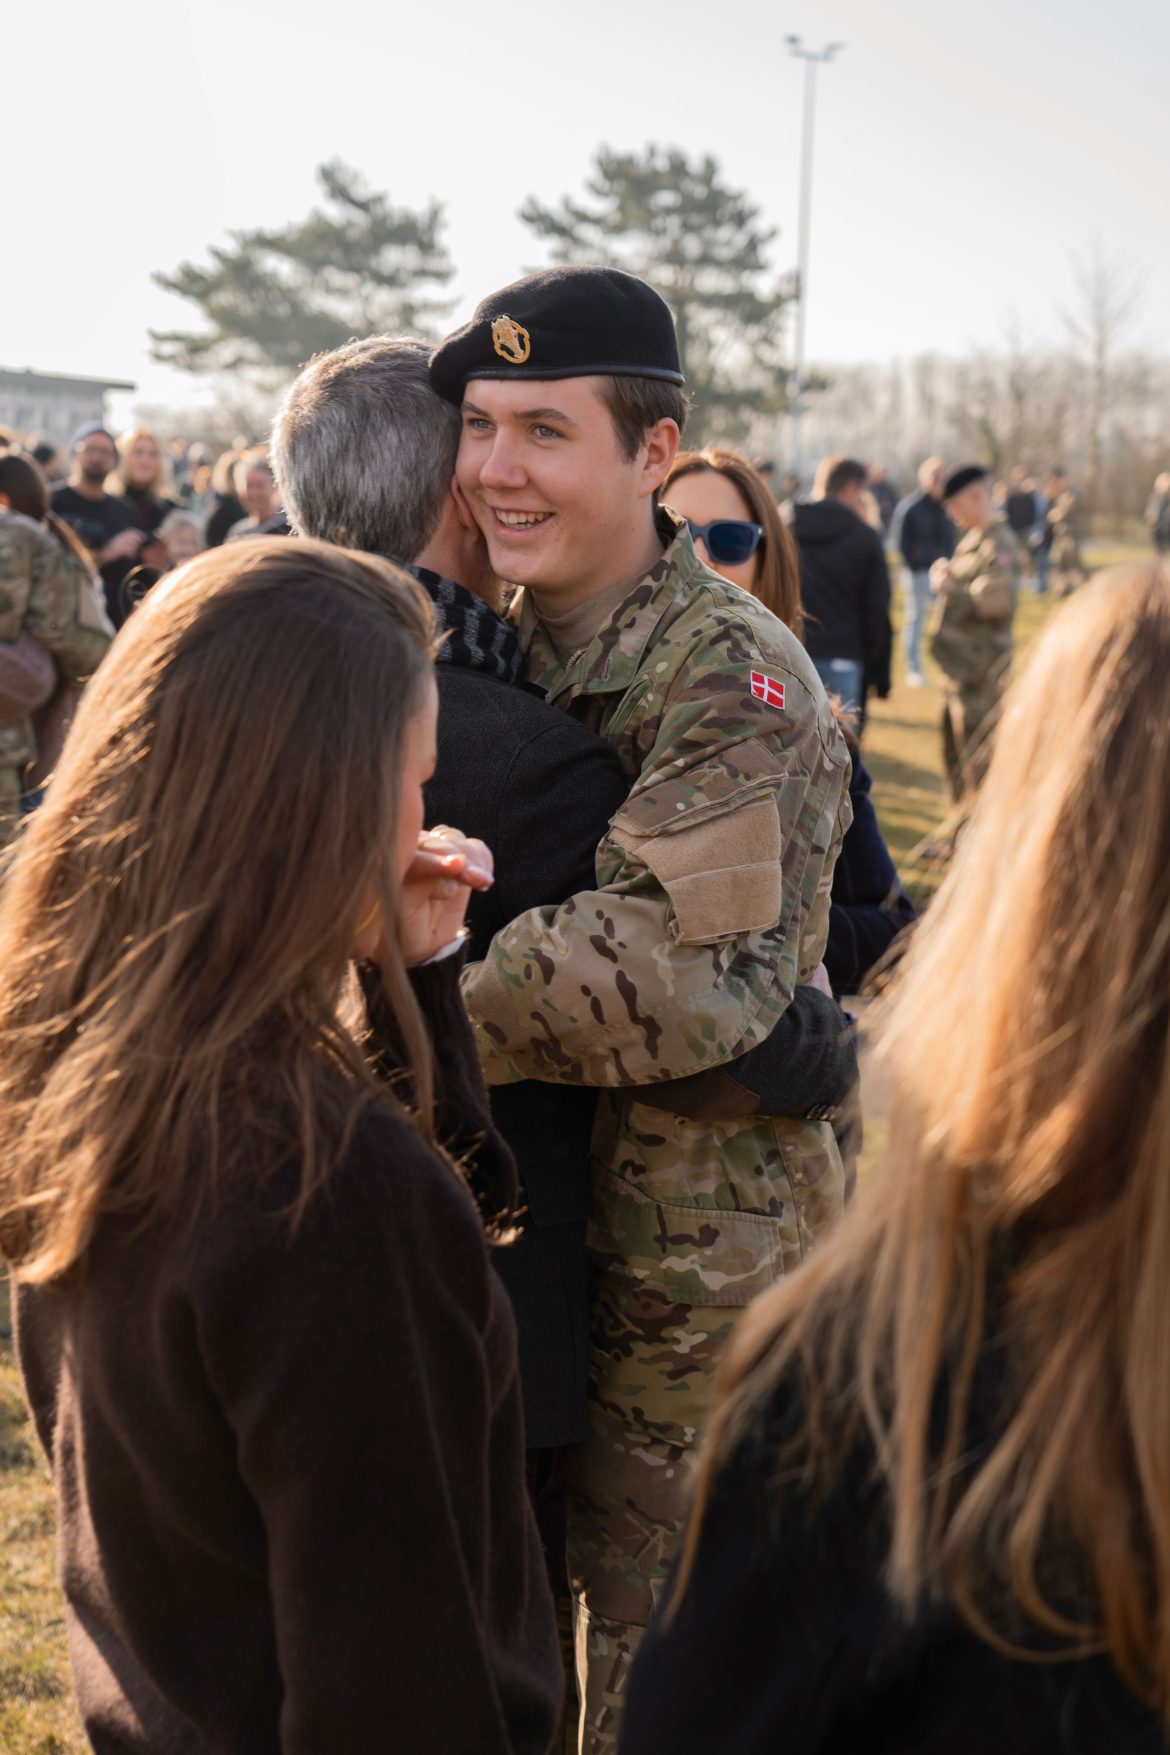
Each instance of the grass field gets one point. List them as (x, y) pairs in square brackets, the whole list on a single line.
[(36, 1709)]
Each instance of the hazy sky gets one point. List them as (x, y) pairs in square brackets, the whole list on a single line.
[(964, 153)]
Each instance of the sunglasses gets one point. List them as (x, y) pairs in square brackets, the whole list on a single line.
[(730, 541)]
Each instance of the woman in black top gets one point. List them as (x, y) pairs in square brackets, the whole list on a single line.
[(267, 1357), (934, 1508), (142, 477)]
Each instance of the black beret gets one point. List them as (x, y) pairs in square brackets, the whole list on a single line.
[(958, 479), (562, 323)]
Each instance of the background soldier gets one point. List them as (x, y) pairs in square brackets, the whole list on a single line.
[(46, 592), (712, 898), (972, 640), (1066, 569)]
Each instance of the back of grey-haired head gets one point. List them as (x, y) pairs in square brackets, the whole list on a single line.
[(364, 450)]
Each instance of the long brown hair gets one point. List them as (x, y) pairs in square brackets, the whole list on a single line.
[(778, 580), (1027, 1195), (176, 925)]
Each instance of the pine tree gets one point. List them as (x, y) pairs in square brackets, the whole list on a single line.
[(272, 299), (701, 244)]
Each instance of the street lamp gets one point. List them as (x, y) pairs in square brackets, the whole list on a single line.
[(812, 59)]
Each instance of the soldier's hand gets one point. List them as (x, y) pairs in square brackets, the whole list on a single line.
[(436, 891), (940, 575)]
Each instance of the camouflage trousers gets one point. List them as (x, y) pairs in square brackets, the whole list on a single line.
[(9, 804), (629, 1483), (671, 1280), (968, 721), (1063, 581)]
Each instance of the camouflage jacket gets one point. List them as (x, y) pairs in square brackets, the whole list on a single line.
[(972, 635), (1064, 547), (712, 902), (46, 591)]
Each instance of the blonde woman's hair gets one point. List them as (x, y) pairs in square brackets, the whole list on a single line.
[(176, 925), (1026, 1196), (222, 478), (162, 483), (256, 457)]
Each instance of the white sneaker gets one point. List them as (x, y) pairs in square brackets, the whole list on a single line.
[(914, 679)]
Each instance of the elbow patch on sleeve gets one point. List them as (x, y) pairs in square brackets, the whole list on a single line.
[(721, 874)]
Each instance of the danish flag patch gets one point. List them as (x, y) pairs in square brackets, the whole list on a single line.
[(766, 688)]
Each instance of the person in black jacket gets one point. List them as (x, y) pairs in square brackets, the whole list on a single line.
[(845, 585), (924, 534), (265, 1351), (364, 452), (934, 1493), (225, 509)]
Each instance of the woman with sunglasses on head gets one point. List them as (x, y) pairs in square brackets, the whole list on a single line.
[(264, 1346), (934, 1508), (739, 532)]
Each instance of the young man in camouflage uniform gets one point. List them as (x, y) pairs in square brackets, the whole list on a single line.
[(46, 592), (972, 641), (712, 898)]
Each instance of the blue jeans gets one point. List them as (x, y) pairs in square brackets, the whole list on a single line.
[(916, 596), (841, 676), (1040, 562)]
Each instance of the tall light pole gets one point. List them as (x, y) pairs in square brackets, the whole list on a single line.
[(812, 59)]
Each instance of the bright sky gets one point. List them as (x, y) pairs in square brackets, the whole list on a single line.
[(964, 153)]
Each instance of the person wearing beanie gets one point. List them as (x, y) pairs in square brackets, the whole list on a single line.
[(972, 639), (711, 899), (104, 522)]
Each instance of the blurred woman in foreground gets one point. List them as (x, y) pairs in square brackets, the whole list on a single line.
[(934, 1507), (266, 1352)]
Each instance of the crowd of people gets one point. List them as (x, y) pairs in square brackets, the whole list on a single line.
[(439, 847)]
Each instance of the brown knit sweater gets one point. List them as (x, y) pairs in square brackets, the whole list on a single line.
[(289, 1475)]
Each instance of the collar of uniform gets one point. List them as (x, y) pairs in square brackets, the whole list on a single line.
[(609, 663)]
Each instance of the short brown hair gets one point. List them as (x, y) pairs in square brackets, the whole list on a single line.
[(836, 473), (638, 403)]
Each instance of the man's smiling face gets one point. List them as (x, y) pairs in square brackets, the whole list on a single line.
[(563, 509)]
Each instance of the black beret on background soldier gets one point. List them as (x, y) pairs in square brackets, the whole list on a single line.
[(972, 636), (711, 901)]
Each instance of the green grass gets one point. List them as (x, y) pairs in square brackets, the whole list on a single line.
[(37, 1716), (903, 744)]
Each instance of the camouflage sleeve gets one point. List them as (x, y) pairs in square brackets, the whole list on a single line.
[(28, 677), (709, 905), (993, 590), (65, 614)]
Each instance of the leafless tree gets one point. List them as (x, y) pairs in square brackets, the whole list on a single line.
[(1106, 297)]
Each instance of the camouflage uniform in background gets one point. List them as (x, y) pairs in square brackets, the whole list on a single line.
[(1066, 569), (46, 592), (972, 646), (712, 904)]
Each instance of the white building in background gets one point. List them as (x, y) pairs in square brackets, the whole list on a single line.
[(45, 406)]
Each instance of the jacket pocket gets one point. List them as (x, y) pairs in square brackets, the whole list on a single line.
[(691, 1254), (719, 866)]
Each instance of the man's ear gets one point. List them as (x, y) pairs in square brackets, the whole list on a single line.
[(660, 450)]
